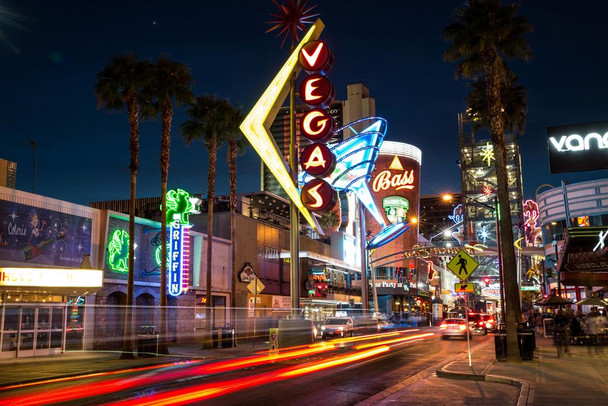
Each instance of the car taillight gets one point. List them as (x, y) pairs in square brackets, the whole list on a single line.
[(462, 327), (488, 325), (481, 323)]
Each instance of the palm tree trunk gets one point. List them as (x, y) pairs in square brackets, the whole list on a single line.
[(165, 150), (133, 113), (512, 305), (210, 196), (232, 150)]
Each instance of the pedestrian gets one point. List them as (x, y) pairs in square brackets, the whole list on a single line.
[(561, 332), (575, 330), (539, 324)]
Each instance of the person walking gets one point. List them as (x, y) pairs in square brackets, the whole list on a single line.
[(561, 332)]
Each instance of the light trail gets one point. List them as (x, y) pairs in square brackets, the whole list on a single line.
[(206, 391), (394, 341), (115, 385), (99, 374)]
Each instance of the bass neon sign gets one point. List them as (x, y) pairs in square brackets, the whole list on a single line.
[(386, 180)]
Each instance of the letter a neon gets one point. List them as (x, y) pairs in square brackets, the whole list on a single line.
[(316, 159)]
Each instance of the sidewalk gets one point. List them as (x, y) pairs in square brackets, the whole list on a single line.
[(580, 376)]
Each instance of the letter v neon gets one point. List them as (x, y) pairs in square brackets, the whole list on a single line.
[(312, 59)]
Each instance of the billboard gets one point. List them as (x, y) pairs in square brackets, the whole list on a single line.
[(578, 147), (35, 235), (395, 186)]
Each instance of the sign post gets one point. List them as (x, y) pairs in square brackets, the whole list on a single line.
[(255, 287), (463, 265), (273, 342)]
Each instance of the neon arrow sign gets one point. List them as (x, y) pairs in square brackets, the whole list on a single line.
[(256, 126)]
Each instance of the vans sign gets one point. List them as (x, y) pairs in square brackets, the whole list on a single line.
[(578, 147)]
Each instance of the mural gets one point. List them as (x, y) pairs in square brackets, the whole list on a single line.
[(35, 235)]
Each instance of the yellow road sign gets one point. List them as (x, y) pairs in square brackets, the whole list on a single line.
[(464, 287), (462, 265), (255, 286)]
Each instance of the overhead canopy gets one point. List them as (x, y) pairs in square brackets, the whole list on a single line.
[(584, 257)]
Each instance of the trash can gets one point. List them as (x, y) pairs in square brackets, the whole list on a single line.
[(227, 336), (215, 336), (147, 341), (525, 341), (500, 346)]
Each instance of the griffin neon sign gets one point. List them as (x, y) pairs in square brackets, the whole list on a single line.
[(180, 205)]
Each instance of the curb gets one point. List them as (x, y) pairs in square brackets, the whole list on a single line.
[(524, 387)]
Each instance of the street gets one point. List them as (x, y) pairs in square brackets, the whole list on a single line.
[(342, 372)]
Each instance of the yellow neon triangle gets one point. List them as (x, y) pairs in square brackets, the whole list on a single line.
[(396, 164)]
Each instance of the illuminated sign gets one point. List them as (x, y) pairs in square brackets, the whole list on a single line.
[(51, 277), (317, 90), (601, 243), (180, 205), (531, 213), (318, 195), (395, 208), (457, 215), (578, 147), (316, 57), (398, 181), (179, 263), (317, 125), (487, 153), (118, 251), (256, 124), (317, 160)]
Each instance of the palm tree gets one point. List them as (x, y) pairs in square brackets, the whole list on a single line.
[(209, 117), (122, 83), (172, 85), (514, 101), (236, 146), (483, 34)]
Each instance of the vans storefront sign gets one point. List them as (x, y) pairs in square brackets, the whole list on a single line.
[(578, 147)]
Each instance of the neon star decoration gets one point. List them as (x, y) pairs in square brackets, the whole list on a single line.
[(487, 153), (118, 251), (256, 125), (355, 160)]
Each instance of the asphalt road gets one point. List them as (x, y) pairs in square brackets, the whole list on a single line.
[(344, 375)]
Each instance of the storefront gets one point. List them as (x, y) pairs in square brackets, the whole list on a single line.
[(47, 250)]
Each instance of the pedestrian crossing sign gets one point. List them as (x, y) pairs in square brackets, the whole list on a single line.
[(462, 265)]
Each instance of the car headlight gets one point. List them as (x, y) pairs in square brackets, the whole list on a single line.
[(322, 327), (341, 328)]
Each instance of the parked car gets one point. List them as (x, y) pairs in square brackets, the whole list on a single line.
[(337, 327), (454, 328)]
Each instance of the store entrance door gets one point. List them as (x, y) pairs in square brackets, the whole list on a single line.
[(32, 330)]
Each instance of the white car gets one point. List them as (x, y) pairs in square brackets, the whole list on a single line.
[(337, 327)]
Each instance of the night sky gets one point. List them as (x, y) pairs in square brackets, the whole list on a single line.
[(50, 58)]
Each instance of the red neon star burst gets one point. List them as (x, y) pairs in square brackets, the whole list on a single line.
[(291, 18)]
